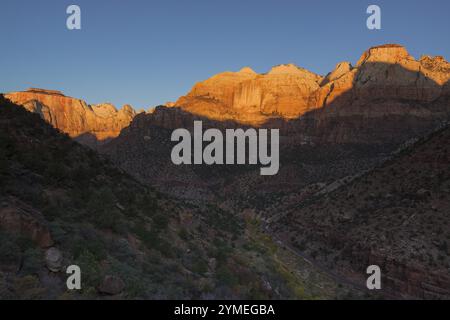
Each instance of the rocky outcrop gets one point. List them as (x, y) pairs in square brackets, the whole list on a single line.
[(20, 218), (89, 124)]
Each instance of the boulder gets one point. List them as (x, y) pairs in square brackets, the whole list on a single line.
[(111, 285), (54, 259)]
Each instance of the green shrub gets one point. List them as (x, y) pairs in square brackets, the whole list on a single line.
[(90, 269)]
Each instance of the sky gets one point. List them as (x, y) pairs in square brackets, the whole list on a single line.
[(148, 52)]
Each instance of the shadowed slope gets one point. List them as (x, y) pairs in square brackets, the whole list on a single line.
[(396, 216), (129, 240)]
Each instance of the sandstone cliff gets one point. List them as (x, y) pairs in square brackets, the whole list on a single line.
[(382, 97), (287, 91), (248, 97), (88, 124), (387, 96)]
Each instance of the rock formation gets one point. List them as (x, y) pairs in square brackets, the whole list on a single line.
[(248, 97), (89, 124), (111, 285), (21, 218), (386, 82), (54, 259), (388, 96)]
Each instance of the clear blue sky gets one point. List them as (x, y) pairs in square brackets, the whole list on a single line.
[(148, 52)]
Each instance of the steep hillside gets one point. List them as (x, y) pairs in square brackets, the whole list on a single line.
[(344, 124), (62, 204), (396, 216), (144, 150)]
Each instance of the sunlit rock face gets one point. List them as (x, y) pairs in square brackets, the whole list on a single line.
[(90, 124), (252, 98), (386, 82)]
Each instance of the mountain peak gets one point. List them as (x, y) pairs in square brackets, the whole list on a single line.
[(388, 45), (293, 69), (287, 68), (341, 69), (247, 70), (104, 109), (387, 53), (436, 64), (45, 91)]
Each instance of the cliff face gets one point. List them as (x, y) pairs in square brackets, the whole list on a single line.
[(387, 97), (86, 123), (248, 97), (364, 103), (385, 72)]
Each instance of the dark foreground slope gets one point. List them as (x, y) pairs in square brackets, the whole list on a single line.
[(61, 204), (397, 216)]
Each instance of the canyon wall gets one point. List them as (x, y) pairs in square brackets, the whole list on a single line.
[(90, 124)]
